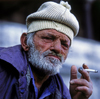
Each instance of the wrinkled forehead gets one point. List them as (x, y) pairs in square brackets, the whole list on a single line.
[(53, 33)]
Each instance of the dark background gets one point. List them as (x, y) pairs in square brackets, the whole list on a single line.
[(86, 11)]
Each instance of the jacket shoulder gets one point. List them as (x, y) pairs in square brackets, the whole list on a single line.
[(15, 56)]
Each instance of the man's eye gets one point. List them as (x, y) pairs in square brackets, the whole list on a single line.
[(65, 45), (47, 39)]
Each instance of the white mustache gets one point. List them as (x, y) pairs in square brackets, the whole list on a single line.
[(46, 53)]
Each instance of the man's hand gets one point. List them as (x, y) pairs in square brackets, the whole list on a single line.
[(80, 88)]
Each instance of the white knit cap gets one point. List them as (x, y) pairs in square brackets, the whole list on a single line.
[(51, 15)]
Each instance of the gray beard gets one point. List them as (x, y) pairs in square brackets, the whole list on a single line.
[(48, 65)]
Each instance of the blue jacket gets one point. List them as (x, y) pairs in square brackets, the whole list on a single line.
[(13, 80)]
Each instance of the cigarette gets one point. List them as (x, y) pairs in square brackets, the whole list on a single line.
[(92, 70)]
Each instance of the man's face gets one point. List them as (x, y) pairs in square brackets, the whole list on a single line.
[(49, 50)]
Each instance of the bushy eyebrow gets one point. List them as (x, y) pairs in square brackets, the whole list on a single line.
[(50, 35), (54, 36)]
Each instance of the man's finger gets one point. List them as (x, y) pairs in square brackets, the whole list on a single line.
[(85, 66), (73, 72), (73, 76), (87, 91), (85, 74)]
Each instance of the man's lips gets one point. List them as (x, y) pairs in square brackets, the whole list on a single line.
[(54, 56)]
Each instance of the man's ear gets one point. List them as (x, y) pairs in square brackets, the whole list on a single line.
[(23, 40)]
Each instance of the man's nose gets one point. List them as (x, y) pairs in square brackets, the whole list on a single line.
[(56, 46)]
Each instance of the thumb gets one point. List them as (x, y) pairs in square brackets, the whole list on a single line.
[(73, 74)]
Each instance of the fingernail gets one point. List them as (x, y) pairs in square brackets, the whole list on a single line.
[(71, 82), (81, 68)]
